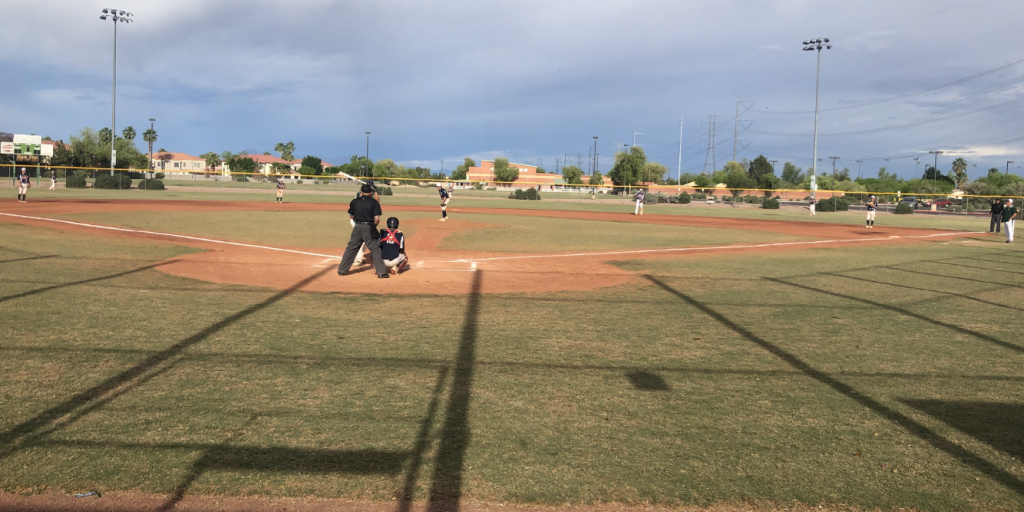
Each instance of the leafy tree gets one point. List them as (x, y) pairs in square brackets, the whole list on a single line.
[(315, 163), (241, 163), (736, 177), (385, 168), (90, 150), (307, 171), (654, 172), (760, 167), (280, 168), (842, 174), (150, 137), (541, 170), (883, 175), (572, 175), (596, 179), (959, 172), (286, 150), (792, 173), (165, 158), (503, 171), (212, 159), (687, 177), (629, 167), (719, 176), (161, 150), (768, 182), (128, 133), (104, 135), (461, 171), (994, 170)]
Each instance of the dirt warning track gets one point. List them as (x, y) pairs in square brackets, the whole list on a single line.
[(434, 271)]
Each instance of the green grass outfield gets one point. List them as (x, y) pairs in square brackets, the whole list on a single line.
[(940, 221), (877, 376)]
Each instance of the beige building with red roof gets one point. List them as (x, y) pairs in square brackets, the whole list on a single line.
[(178, 162), (528, 175)]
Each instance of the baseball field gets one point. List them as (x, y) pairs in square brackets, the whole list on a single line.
[(196, 350)]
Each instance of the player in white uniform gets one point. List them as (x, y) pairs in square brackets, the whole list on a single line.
[(872, 205), (53, 180), (445, 198), (640, 196)]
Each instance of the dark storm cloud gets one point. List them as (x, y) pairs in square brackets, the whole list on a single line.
[(530, 80)]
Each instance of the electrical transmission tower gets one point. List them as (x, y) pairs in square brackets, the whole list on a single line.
[(710, 157), (736, 127)]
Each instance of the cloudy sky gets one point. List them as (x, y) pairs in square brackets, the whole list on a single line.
[(531, 80)]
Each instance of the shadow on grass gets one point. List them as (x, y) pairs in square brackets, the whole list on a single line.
[(941, 292), (86, 401), (16, 260), (422, 444), (1005, 285), (449, 462), (647, 381), (84, 281), (892, 308), (994, 423), (987, 269), (921, 431)]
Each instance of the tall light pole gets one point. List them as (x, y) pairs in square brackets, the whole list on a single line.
[(367, 171), (935, 167), (595, 154), (917, 162), (809, 46), (117, 16), (151, 125), (1008, 162), (859, 174), (834, 158)]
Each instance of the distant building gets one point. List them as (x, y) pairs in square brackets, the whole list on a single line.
[(178, 162), (528, 175)]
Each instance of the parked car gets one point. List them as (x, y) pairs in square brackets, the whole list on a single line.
[(943, 203), (912, 201)]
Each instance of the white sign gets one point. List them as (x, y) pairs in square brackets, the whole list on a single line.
[(113, 157), (6, 148), (814, 182), (46, 150), (28, 139)]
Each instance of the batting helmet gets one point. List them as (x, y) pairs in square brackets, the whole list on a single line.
[(392, 222)]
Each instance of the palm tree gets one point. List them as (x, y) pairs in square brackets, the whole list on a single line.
[(128, 133), (286, 150), (212, 160), (150, 137), (959, 173)]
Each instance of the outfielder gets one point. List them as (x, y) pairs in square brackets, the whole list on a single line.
[(872, 205), (445, 197), (53, 180), (24, 183), (392, 247), (640, 196), (280, 191), (810, 206)]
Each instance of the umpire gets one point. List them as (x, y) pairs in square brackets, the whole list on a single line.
[(365, 212), (997, 216)]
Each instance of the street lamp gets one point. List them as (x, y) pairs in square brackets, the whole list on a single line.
[(1008, 162), (809, 46), (935, 167), (859, 174), (367, 171), (834, 158), (117, 16)]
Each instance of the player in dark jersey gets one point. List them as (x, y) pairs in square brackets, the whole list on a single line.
[(24, 183), (872, 205), (392, 247), (280, 191), (445, 197)]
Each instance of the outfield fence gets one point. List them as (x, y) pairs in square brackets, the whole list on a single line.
[(268, 180)]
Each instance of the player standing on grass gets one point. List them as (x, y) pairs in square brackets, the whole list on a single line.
[(640, 196), (392, 247), (1009, 216), (872, 205), (24, 183), (445, 197), (364, 212), (280, 190), (53, 180)]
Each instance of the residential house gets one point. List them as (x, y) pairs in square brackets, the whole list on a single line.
[(528, 175), (178, 162)]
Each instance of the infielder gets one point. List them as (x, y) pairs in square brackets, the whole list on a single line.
[(810, 206), (280, 191), (392, 247), (53, 180), (872, 205), (640, 196), (445, 197), (1009, 216), (24, 183)]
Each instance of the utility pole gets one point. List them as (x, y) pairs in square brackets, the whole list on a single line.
[(935, 168), (834, 158), (369, 171), (859, 174), (773, 162), (1008, 162), (594, 169), (710, 156), (736, 127), (679, 169)]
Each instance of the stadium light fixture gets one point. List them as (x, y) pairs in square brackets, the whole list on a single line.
[(935, 167), (1008, 162), (117, 17), (812, 45)]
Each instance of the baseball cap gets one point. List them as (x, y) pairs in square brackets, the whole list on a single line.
[(366, 188), (1009, 200)]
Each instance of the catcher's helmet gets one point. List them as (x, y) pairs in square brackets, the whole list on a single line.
[(392, 222)]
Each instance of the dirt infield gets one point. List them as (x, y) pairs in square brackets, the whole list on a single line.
[(434, 271)]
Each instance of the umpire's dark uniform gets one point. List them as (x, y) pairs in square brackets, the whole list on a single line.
[(997, 216), (365, 211)]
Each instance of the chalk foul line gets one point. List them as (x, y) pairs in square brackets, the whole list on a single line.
[(474, 261)]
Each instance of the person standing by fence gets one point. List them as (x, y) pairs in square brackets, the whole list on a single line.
[(24, 183), (53, 180), (996, 217), (1009, 215)]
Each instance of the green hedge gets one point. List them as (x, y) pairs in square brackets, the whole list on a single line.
[(771, 204), (684, 198), (76, 180), (833, 204), (117, 181), (151, 185), (904, 208)]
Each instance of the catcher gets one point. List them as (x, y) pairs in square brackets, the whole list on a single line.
[(392, 247)]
